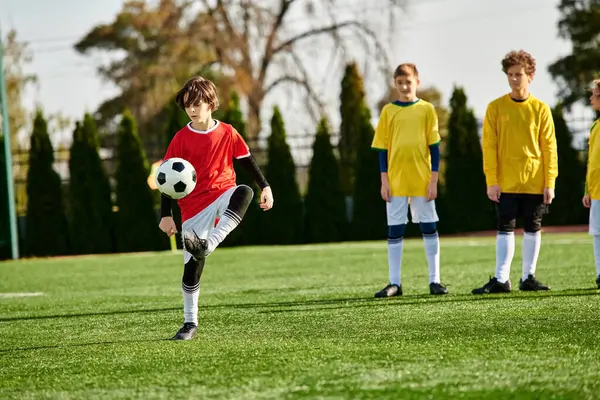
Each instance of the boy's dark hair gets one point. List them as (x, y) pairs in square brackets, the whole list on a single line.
[(198, 90), (406, 69), (521, 58)]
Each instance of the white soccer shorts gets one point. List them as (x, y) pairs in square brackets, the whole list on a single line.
[(203, 223), (421, 210), (594, 228)]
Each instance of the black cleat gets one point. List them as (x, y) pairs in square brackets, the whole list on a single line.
[(598, 281), (531, 284), (493, 286), (197, 247), (390, 290), (437, 288), (187, 332)]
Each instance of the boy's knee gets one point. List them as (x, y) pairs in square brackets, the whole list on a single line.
[(427, 228), (506, 224), (240, 199), (396, 231), (532, 224)]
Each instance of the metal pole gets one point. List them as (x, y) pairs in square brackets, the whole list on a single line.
[(14, 236)]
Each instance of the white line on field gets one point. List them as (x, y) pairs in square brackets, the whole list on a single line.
[(13, 295)]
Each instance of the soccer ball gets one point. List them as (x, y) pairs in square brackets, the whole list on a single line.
[(176, 178)]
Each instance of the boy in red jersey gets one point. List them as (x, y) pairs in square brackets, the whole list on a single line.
[(520, 163), (210, 146)]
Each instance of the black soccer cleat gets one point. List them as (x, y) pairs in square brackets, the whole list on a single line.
[(493, 286), (531, 284), (187, 332), (437, 288), (598, 281), (390, 290), (194, 245)]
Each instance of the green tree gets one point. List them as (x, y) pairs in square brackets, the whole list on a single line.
[(244, 233), (464, 191), (137, 225), (325, 203), (5, 243), (579, 23), (284, 223), (46, 225), (352, 101), (91, 216), (566, 208), (368, 209)]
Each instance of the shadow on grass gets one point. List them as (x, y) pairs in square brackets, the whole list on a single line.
[(337, 302), (64, 346)]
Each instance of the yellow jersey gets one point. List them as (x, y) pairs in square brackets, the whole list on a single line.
[(519, 145), (406, 131), (593, 164)]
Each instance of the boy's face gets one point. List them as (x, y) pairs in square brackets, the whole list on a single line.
[(407, 85), (199, 111), (595, 99), (517, 78)]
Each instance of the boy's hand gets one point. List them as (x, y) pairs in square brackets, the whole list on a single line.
[(548, 195), (167, 225), (432, 191), (386, 193), (587, 201), (266, 199), (493, 193)]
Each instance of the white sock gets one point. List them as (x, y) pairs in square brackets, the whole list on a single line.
[(190, 302), (531, 250), (505, 251), (597, 253), (227, 223), (432, 251), (395, 260)]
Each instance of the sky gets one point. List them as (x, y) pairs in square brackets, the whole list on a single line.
[(453, 42)]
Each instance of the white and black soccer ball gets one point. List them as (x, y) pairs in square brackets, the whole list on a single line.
[(176, 178)]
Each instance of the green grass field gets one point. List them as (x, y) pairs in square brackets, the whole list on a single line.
[(300, 322)]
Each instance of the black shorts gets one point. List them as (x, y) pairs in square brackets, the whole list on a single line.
[(529, 207)]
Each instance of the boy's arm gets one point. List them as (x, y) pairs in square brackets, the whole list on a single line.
[(433, 140), (165, 206), (548, 146), (241, 152), (165, 202), (489, 147), (249, 164), (380, 143)]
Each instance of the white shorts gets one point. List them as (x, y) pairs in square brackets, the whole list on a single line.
[(421, 210), (203, 223), (594, 228)]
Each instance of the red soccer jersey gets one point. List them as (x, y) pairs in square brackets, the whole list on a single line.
[(211, 153)]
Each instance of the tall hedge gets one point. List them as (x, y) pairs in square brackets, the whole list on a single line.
[(137, 222), (463, 203), (369, 220), (90, 204), (570, 184), (46, 232), (5, 243), (324, 202), (284, 223), (352, 101)]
